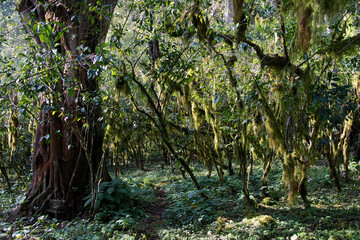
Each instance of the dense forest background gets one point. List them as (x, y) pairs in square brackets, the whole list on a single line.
[(161, 119)]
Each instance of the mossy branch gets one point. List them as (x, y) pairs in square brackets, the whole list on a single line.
[(343, 46), (273, 61)]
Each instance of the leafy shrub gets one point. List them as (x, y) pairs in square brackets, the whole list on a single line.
[(118, 199), (111, 195)]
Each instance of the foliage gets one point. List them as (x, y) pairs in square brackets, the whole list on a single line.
[(257, 106), (120, 199), (332, 214)]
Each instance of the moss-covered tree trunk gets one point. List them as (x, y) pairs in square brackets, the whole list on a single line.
[(266, 173), (67, 152), (3, 169)]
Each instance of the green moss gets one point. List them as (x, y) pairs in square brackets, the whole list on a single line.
[(198, 115), (356, 83), (185, 97), (266, 201), (262, 220)]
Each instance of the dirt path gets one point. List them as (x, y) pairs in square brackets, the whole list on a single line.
[(148, 228)]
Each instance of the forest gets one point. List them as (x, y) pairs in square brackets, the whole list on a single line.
[(180, 119)]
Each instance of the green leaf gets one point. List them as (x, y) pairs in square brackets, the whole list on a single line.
[(71, 92), (88, 202), (60, 34), (110, 190)]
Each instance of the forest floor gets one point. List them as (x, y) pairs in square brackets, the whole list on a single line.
[(150, 226), (162, 205)]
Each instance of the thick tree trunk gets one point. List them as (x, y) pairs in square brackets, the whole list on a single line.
[(289, 171), (67, 152), (3, 170)]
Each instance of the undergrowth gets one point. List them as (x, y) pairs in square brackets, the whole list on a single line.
[(124, 206)]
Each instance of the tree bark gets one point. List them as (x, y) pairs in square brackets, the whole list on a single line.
[(267, 168), (228, 155), (3, 169), (68, 142)]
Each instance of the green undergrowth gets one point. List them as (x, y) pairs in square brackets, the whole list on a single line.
[(124, 210)]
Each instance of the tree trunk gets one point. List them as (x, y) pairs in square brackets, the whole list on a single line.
[(289, 171), (218, 166), (165, 156), (67, 152), (228, 156), (171, 164), (141, 157), (302, 184), (134, 156), (348, 125), (346, 156), (267, 168), (333, 172), (116, 161), (3, 169), (233, 10)]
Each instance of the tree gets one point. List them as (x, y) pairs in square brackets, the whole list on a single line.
[(68, 140), (258, 83), (257, 76)]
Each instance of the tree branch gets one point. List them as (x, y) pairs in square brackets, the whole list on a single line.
[(273, 61)]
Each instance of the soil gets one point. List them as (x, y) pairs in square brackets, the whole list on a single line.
[(148, 228)]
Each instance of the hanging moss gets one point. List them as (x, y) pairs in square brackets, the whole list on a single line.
[(307, 80), (194, 115), (13, 134), (356, 83), (186, 97), (13, 123), (121, 86), (311, 16), (198, 115), (331, 7), (199, 23), (276, 137), (204, 150), (207, 113), (320, 7), (304, 29), (277, 141), (278, 89), (32, 127), (217, 136)]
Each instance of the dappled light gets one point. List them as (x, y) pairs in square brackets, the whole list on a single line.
[(169, 119)]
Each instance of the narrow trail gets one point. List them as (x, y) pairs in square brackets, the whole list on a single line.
[(149, 227)]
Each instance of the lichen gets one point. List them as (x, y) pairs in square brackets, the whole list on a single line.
[(262, 220)]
